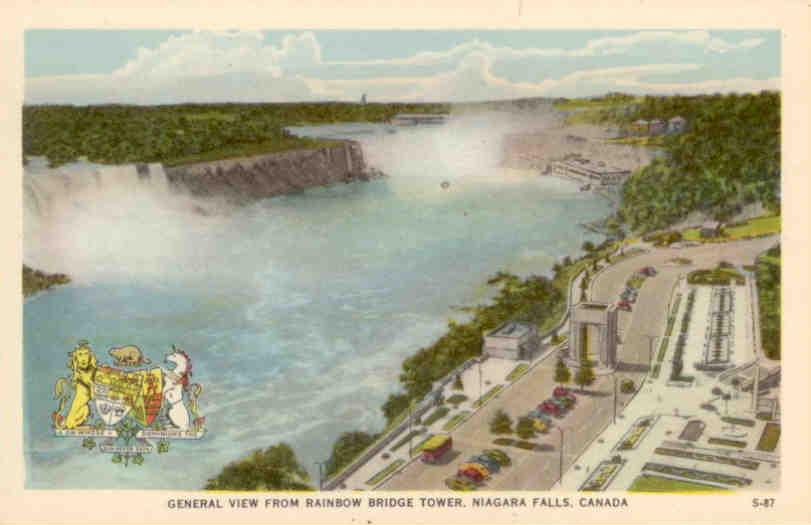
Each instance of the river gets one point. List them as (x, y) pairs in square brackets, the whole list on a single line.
[(296, 311)]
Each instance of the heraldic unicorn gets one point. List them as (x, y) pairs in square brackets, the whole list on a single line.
[(128, 405)]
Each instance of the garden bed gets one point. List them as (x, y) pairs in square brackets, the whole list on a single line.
[(524, 445), (738, 421), (436, 415), (488, 396), (712, 458), (602, 476), (697, 475), (386, 472), (635, 434), (406, 439), (517, 372), (692, 430), (727, 442), (769, 438), (649, 483), (456, 399), (454, 422)]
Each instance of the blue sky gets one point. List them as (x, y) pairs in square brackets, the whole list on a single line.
[(147, 67)]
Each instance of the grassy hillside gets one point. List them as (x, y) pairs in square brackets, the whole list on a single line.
[(185, 133)]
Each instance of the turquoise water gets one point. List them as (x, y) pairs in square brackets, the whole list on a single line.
[(297, 311)]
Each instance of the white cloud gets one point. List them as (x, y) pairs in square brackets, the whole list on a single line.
[(241, 66)]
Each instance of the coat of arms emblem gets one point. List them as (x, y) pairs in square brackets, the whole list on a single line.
[(129, 405)]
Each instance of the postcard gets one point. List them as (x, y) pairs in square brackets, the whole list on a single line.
[(332, 265)]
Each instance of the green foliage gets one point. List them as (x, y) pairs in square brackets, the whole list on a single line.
[(346, 448), (501, 423), (457, 383), (585, 374), (768, 282), (562, 373), (716, 277), (436, 415), (36, 281), (181, 134), (525, 428), (627, 386), (729, 157), (275, 468), (395, 405), (529, 300)]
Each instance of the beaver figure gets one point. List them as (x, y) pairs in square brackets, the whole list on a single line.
[(128, 356)]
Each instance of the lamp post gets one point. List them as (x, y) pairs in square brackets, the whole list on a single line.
[(615, 397)]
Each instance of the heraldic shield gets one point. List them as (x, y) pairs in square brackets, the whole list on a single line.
[(118, 393)]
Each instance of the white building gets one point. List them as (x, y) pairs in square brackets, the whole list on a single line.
[(511, 340)]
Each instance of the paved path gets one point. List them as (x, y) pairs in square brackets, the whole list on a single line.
[(540, 470)]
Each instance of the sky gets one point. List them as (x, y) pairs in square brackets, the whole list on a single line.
[(164, 67)]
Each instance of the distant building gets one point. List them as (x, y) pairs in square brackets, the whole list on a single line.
[(657, 127), (640, 127), (598, 171), (676, 125), (710, 229), (512, 340)]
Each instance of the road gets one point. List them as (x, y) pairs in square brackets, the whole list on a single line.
[(593, 412)]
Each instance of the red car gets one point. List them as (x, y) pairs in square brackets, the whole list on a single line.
[(471, 474), (551, 408), (564, 393)]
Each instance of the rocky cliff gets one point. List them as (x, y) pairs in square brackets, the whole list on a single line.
[(246, 179)]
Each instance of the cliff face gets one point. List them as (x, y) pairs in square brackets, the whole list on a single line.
[(247, 179)]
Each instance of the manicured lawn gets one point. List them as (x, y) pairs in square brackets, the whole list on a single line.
[(769, 438), (456, 399), (648, 483), (380, 476), (487, 396), (715, 277), (764, 225), (517, 372), (436, 415), (455, 420), (406, 439)]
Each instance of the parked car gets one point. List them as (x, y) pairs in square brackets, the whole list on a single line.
[(563, 392), (648, 271), (499, 455), (551, 408), (436, 447), (491, 464), (460, 483), (537, 414), (471, 474)]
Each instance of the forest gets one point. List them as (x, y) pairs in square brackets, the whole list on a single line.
[(767, 273), (182, 134), (728, 157)]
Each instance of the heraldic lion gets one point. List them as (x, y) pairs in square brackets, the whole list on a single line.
[(83, 364)]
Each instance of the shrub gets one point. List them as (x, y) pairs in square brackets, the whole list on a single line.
[(525, 428), (627, 386), (501, 423)]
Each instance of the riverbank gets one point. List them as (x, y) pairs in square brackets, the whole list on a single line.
[(35, 281)]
